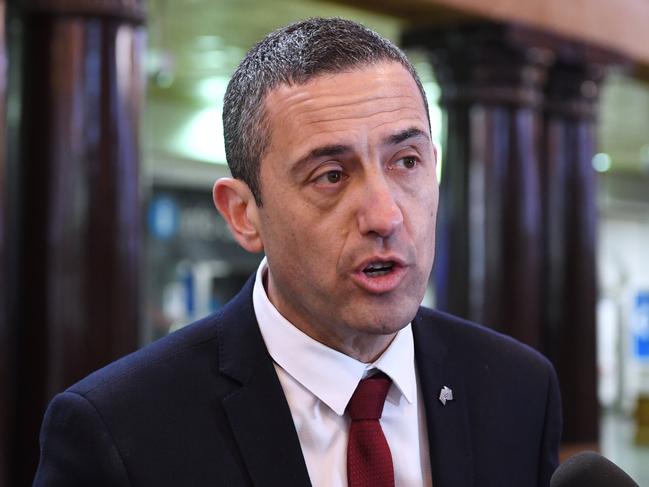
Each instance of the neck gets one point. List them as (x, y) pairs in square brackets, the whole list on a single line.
[(362, 346)]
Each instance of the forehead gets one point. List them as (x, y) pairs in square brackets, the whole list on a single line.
[(369, 100)]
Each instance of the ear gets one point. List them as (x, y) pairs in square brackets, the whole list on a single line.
[(237, 205)]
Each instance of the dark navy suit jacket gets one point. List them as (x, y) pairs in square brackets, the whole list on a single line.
[(204, 407)]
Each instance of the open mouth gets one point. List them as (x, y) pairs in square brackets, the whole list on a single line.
[(377, 269), (380, 275)]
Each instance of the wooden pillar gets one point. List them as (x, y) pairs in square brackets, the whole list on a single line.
[(517, 228), (570, 278), (76, 225), (488, 264)]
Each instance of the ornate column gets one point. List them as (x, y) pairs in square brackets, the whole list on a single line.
[(570, 221), (76, 225), (489, 241), (517, 229)]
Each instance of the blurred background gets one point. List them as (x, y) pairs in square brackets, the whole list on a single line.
[(112, 138)]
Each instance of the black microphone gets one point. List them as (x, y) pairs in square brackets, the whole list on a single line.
[(589, 469)]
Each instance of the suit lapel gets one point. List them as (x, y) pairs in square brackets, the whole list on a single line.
[(449, 435), (258, 413)]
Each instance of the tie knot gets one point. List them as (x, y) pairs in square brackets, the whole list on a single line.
[(369, 397)]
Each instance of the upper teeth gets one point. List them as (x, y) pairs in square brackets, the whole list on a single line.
[(378, 265)]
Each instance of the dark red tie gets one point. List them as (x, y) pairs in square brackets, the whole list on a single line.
[(369, 462)]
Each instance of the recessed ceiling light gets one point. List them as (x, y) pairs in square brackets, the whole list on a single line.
[(602, 162)]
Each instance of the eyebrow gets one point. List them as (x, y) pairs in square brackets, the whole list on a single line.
[(404, 135), (328, 151), (324, 151)]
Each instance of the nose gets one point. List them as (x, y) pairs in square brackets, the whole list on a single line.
[(379, 212)]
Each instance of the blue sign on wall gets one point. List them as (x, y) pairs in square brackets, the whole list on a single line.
[(163, 217), (641, 324)]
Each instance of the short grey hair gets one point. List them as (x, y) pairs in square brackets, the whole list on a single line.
[(292, 55)]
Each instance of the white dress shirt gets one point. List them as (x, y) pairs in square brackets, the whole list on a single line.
[(319, 381)]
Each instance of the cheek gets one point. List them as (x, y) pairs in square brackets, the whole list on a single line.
[(433, 201), (424, 226), (296, 235), (424, 206)]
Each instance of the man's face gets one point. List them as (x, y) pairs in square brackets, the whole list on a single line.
[(349, 204)]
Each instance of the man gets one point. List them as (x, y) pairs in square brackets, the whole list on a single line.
[(328, 141)]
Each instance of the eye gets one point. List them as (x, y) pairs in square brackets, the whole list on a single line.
[(408, 162), (333, 177)]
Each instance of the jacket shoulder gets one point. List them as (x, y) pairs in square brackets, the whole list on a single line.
[(195, 347), (138, 420), (166, 350), (463, 339)]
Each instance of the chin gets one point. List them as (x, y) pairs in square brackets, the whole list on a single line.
[(388, 322)]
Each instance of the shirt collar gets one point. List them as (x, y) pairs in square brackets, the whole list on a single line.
[(328, 374)]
